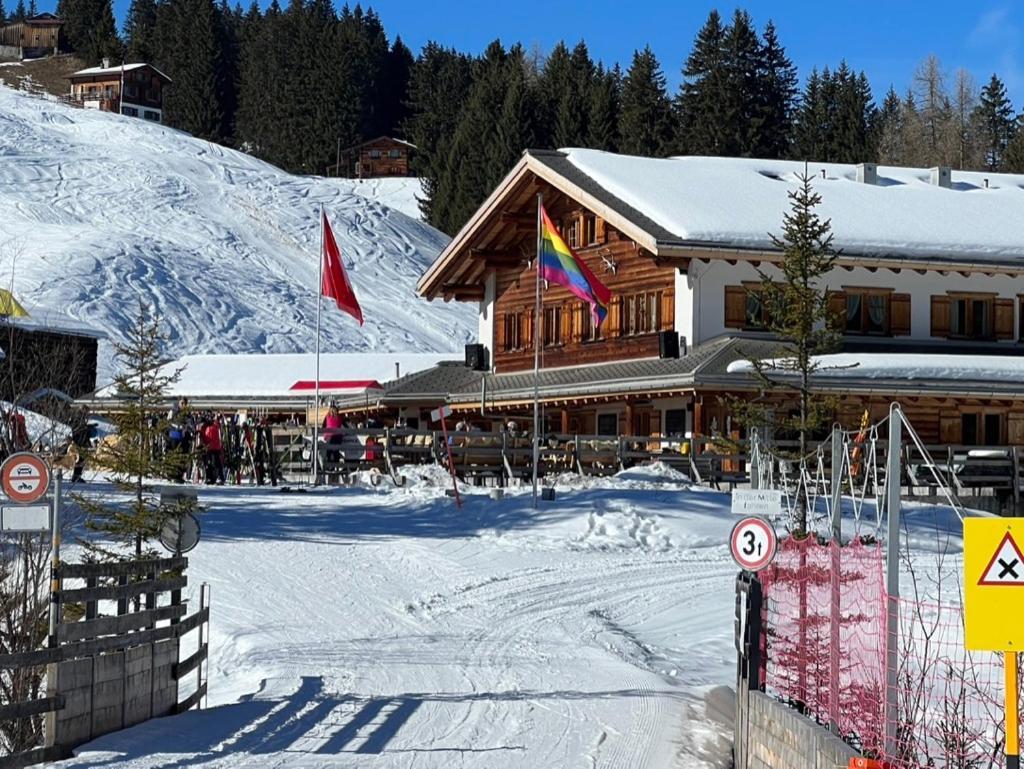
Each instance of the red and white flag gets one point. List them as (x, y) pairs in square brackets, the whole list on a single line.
[(334, 282)]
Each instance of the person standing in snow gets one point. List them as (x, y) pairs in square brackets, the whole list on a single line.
[(209, 437)]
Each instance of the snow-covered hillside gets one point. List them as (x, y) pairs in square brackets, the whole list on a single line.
[(97, 211)]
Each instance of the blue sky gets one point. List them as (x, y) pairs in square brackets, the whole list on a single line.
[(885, 39)]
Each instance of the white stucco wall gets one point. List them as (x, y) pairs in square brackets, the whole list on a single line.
[(486, 320), (708, 282)]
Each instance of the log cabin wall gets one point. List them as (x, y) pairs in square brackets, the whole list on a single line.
[(642, 304)]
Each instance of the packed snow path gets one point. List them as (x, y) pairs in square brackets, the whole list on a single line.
[(384, 628)]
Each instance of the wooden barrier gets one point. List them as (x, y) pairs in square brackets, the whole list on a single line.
[(105, 673)]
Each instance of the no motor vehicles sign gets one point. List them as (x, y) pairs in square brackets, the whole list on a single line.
[(25, 477)]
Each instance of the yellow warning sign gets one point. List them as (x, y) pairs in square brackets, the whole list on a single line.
[(993, 583)]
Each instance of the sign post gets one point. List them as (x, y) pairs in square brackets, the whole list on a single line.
[(994, 591), (441, 415)]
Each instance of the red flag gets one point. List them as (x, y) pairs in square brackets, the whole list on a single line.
[(335, 282)]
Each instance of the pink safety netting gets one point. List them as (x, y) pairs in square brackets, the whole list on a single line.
[(824, 653)]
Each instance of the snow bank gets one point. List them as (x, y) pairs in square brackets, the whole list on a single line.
[(738, 201), (100, 211)]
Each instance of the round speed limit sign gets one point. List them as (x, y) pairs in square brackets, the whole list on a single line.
[(753, 543)]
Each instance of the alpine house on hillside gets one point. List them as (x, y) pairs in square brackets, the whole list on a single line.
[(928, 289)]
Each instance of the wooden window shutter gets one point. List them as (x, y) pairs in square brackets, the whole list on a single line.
[(950, 429), (837, 310), (499, 332), (599, 230), (566, 319), (940, 316), (1004, 318), (899, 314), (668, 311), (735, 307), (1015, 429), (615, 317), (527, 335), (577, 321)]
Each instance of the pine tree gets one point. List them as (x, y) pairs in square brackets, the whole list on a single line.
[(742, 120), (570, 119), (645, 114), (139, 31), (3, 13), (994, 118), (603, 110), (700, 103), (890, 131), (188, 52), (438, 90), (137, 457), (103, 40), (1013, 160), (393, 109), (798, 314), (20, 14), (851, 138), (778, 92), (555, 81), (813, 119), (33, 9)]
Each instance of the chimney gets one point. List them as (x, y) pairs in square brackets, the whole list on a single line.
[(398, 370), (867, 173), (942, 176), (106, 63)]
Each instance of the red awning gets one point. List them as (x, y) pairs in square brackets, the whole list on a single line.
[(304, 385)]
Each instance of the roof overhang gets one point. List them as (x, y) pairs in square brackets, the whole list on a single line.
[(530, 167)]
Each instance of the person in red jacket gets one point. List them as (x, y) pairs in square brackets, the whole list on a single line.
[(210, 437)]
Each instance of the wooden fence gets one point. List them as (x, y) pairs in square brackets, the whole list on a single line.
[(108, 672)]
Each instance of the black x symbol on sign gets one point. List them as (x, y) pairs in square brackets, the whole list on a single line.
[(1008, 568)]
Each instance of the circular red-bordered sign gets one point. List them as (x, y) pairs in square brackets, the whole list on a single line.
[(753, 543), (25, 477)]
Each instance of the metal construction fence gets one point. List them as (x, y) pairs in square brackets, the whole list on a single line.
[(824, 650)]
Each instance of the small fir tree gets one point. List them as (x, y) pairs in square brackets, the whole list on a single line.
[(137, 457), (796, 311)]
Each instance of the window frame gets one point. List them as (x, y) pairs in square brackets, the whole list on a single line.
[(864, 294), (970, 300)]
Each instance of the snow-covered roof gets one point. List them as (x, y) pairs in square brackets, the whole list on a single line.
[(737, 202), (92, 71), (915, 367), (290, 375), (42, 319)]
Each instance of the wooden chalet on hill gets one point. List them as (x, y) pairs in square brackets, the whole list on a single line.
[(375, 158), (135, 90), (929, 290), (33, 38)]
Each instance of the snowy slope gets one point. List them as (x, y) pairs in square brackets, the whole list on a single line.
[(97, 211)]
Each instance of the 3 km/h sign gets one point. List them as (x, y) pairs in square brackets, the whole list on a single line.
[(753, 543)]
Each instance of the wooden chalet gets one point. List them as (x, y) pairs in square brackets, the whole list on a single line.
[(375, 158), (135, 90), (33, 38), (929, 290)]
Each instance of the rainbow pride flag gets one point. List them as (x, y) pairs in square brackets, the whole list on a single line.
[(558, 264)]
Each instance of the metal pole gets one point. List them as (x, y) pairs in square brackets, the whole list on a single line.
[(755, 459), (892, 581), (1012, 713), (203, 603), (55, 560), (835, 577), (319, 306), (536, 355), (837, 484)]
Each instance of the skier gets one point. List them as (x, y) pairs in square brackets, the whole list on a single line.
[(209, 436)]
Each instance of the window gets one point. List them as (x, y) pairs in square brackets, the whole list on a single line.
[(552, 326), (151, 115), (641, 313), (571, 232), (675, 422), (511, 339), (375, 154), (867, 312), (129, 111), (590, 332), (757, 310), (981, 429), (607, 424), (589, 230), (970, 317), (394, 154)]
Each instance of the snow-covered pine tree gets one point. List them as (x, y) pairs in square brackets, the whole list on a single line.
[(127, 528)]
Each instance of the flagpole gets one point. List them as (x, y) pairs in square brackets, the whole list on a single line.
[(319, 306), (536, 356)]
